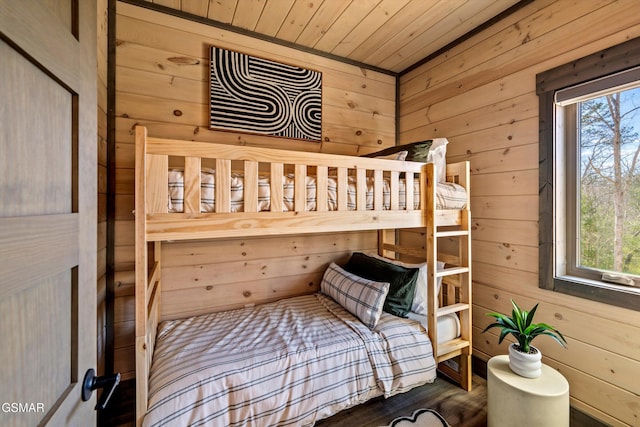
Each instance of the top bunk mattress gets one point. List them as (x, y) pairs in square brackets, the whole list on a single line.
[(290, 362), (448, 195)]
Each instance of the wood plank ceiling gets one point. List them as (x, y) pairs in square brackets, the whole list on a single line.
[(391, 35)]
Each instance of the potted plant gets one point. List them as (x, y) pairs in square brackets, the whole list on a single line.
[(524, 359)]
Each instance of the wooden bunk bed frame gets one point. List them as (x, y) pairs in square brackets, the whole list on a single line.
[(154, 224)]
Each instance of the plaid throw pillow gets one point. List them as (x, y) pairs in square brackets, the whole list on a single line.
[(361, 297)]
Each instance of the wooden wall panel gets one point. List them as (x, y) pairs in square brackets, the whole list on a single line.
[(481, 96), (162, 83)]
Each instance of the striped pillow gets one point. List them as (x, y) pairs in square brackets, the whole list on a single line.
[(361, 297)]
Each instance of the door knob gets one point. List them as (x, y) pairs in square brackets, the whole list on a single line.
[(92, 382)]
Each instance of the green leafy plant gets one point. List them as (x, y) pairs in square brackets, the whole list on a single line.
[(521, 326)]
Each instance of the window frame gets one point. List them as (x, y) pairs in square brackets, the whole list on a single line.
[(553, 183)]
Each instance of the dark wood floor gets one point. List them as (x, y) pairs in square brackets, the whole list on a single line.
[(459, 408), (121, 408)]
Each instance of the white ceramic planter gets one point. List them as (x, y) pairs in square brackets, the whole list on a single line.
[(528, 365)]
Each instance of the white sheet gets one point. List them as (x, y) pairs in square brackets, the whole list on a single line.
[(448, 325)]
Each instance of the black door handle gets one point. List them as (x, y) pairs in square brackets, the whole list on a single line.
[(91, 382)]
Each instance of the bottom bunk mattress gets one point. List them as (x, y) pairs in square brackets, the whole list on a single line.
[(291, 362)]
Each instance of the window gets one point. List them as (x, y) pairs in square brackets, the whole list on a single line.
[(590, 177)]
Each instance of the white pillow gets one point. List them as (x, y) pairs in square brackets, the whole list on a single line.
[(361, 297), (438, 156), (400, 155), (419, 304)]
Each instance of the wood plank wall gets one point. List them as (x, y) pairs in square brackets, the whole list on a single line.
[(481, 96), (162, 82), (101, 14)]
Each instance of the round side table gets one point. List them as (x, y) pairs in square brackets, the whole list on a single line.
[(514, 400)]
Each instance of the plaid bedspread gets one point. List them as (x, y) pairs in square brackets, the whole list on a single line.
[(448, 195), (288, 363)]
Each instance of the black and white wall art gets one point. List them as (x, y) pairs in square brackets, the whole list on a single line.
[(256, 95)]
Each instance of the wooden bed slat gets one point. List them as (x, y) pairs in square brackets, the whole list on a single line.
[(300, 188), (192, 166), (223, 185), (250, 186), (378, 190), (361, 189), (277, 169), (342, 188), (321, 188)]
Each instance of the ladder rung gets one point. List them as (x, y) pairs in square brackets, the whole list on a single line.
[(450, 346), (452, 280), (452, 233), (448, 258), (452, 271), (453, 308)]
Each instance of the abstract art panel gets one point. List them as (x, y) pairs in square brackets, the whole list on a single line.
[(256, 95)]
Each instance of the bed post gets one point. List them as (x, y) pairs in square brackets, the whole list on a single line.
[(141, 266), (428, 200), (147, 265), (466, 372)]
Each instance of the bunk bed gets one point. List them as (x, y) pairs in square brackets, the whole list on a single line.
[(289, 192)]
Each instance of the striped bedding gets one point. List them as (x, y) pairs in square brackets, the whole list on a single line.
[(287, 363), (448, 195)]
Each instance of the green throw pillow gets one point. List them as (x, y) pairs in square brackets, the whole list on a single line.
[(402, 281), (417, 151)]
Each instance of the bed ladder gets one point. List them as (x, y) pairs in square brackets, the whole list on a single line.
[(452, 245)]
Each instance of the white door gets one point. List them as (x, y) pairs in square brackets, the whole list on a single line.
[(47, 211)]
